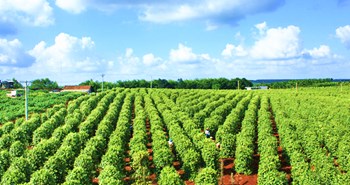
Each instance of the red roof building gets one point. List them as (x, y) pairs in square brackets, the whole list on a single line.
[(73, 88)]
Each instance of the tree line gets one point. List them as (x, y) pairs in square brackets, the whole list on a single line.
[(323, 82), (206, 83)]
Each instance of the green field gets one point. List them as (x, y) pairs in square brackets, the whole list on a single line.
[(120, 136)]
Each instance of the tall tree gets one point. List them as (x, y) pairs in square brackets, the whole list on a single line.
[(45, 84)]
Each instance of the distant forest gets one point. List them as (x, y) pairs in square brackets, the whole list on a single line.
[(284, 84), (207, 83)]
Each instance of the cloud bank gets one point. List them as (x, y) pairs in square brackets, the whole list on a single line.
[(212, 12), (273, 50), (30, 12)]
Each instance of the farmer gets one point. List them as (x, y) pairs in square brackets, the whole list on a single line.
[(218, 145), (171, 143), (207, 133)]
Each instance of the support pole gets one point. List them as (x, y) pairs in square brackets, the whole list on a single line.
[(26, 99), (102, 81)]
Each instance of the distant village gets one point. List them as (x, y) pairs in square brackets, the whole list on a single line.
[(9, 85)]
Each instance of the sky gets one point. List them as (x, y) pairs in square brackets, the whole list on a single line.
[(78, 40)]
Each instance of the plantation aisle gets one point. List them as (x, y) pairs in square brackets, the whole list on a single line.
[(282, 155)]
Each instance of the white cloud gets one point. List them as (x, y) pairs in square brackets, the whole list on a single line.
[(12, 54), (226, 11), (232, 50), (67, 54), (32, 12), (129, 64), (277, 43), (343, 33), (262, 27), (150, 60), (211, 26), (182, 54), (209, 11), (73, 6), (322, 52)]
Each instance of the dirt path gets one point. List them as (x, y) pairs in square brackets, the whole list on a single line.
[(127, 159), (285, 164), (153, 176)]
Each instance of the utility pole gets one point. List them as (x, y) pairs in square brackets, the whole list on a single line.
[(238, 86), (26, 90), (151, 82), (102, 81), (341, 86)]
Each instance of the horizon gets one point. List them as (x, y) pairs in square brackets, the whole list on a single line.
[(73, 41)]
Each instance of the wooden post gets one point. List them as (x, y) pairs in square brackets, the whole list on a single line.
[(341, 86), (232, 179), (296, 86), (222, 171)]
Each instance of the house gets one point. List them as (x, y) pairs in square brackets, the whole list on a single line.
[(263, 87), (6, 84), (257, 88), (72, 88)]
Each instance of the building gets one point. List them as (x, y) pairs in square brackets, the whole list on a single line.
[(72, 88), (263, 87), (12, 94), (6, 84), (257, 88)]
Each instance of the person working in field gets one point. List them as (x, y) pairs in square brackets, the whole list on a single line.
[(170, 142), (218, 145), (207, 133)]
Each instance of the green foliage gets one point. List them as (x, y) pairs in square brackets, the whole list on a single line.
[(169, 176), (207, 176), (19, 172), (5, 161), (302, 83), (17, 149), (5, 141), (210, 154), (7, 128), (44, 83), (140, 165), (79, 175), (42, 177), (208, 83), (110, 175)]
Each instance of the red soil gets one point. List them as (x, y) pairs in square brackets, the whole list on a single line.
[(127, 160), (188, 182), (95, 180), (128, 168), (240, 179), (153, 178), (228, 165)]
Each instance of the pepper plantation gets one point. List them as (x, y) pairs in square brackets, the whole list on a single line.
[(120, 136)]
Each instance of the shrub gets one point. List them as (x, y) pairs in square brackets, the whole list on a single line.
[(169, 176)]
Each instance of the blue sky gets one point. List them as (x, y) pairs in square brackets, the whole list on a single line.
[(73, 41)]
